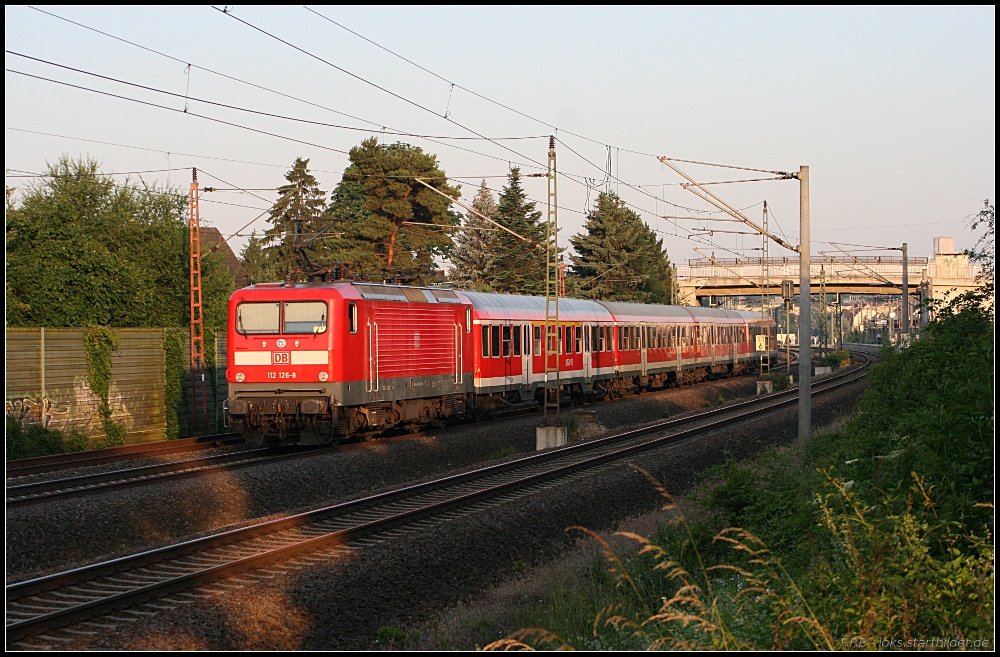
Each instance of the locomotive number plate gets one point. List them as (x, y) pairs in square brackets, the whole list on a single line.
[(281, 358), (281, 375)]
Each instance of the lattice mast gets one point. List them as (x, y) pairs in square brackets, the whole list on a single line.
[(765, 294), (197, 346), (552, 280)]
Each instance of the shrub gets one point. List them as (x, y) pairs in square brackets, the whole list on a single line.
[(503, 453), (36, 440), (779, 380), (840, 358)]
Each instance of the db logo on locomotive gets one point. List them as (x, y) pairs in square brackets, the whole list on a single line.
[(281, 358)]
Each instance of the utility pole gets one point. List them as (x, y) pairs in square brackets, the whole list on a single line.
[(906, 293), (551, 433), (805, 323), (765, 356), (787, 293), (197, 345), (824, 323), (805, 319)]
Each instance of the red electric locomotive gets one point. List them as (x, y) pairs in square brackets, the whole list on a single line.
[(314, 362)]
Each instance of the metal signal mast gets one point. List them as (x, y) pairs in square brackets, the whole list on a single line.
[(552, 328), (197, 346)]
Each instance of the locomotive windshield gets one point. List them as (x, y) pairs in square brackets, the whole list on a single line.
[(266, 318), (258, 318), (305, 317)]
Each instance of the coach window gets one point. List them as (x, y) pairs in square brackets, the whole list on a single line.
[(586, 338), (495, 342), (305, 317), (258, 318), (486, 340), (517, 339), (468, 319), (578, 346), (538, 340), (506, 341)]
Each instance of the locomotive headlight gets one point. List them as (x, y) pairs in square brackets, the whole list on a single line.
[(239, 377), (323, 376)]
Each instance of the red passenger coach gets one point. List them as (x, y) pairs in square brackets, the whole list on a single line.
[(311, 362)]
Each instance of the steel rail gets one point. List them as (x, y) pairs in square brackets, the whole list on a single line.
[(28, 611), (44, 491), (39, 464)]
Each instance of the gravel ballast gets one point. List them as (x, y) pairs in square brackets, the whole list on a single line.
[(67, 532), (340, 604)]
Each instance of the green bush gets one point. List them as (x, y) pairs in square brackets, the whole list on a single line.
[(36, 440), (840, 358), (779, 380)]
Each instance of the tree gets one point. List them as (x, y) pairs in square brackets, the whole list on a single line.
[(385, 213), (619, 258), (294, 220), (519, 267), (475, 251), (84, 251), (255, 261)]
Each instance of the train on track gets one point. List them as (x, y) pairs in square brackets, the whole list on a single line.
[(312, 363)]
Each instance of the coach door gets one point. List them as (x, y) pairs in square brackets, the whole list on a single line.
[(644, 345), (525, 330), (587, 350)]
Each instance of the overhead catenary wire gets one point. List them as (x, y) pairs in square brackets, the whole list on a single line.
[(187, 97), (402, 98), (174, 109), (564, 173)]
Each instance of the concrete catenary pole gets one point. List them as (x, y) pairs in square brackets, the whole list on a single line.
[(805, 316), (906, 294)]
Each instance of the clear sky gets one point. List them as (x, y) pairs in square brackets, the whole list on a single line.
[(893, 109)]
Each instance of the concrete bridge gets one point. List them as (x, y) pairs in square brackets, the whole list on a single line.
[(704, 279)]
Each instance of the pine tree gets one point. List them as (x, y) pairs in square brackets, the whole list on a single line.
[(519, 267), (293, 220), (255, 262), (475, 251), (619, 258), (385, 213)]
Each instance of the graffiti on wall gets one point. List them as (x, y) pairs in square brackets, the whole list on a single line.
[(75, 411)]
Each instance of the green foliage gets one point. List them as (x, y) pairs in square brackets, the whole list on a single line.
[(475, 251), (98, 343), (519, 266), (36, 440), (880, 529), (377, 209), (174, 371), (619, 258), (80, 248), (390, 635), (510, 450), (295, 218), (840, 358), (779, 380)]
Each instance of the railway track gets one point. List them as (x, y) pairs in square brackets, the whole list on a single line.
[(40, 464), (44, 491), (176, 573)]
